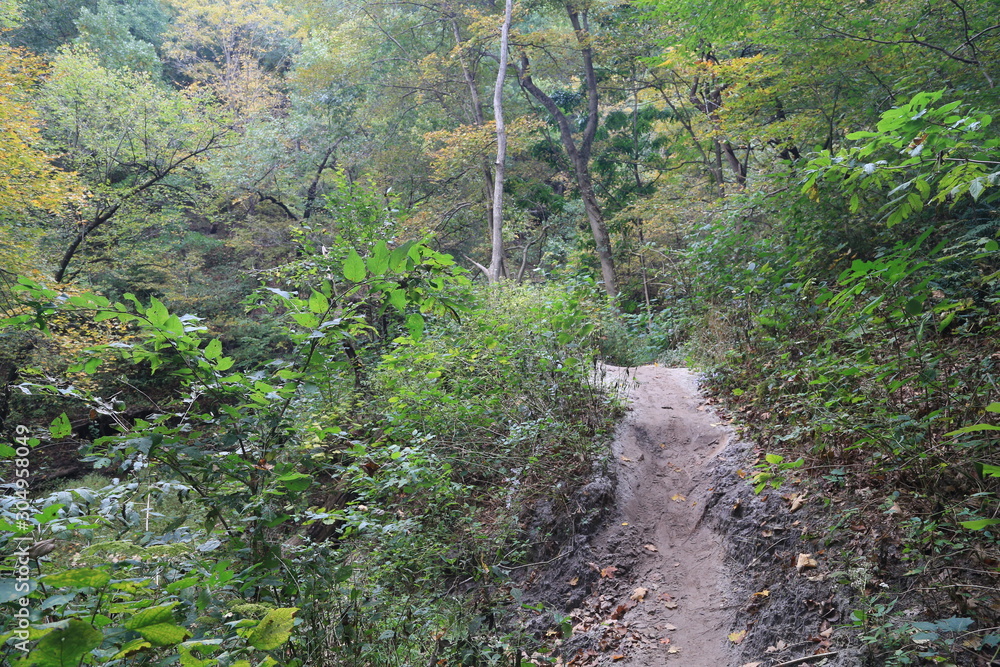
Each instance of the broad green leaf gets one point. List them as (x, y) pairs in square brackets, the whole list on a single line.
[(973, 429), (66, 646), (224, 364), (156, 313), (415, 325), (354, 267), (307, 320), (914, 306), (60, 427), (164, 634), (990, 470), (156, 624), (163, 613), (49, 513), (174, 325), (80, 578), (397, 298), (295, 481), (318, 303), (181, 584), (979, 524), (12, 589), (976, 188), (189, 659), (378, 263), (953, 624), (397, 259), (131, 647), (774, 459), (214, 349), (993, 407), (274, 629)]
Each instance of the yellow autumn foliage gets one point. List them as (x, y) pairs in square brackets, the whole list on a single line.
[(28, 179)]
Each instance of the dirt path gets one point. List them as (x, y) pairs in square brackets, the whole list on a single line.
[(650, 587), (663, 448)]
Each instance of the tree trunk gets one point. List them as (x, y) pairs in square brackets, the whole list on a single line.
[(580, 155), (496, 268)]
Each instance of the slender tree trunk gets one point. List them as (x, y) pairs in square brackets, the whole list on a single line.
[(496, 269), (479, 118), (580, 155)]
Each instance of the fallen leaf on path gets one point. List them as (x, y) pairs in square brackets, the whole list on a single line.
[(752, 664), (761, 594), (609, 572), (678, 498), (667, 600), (618, 656), (795, 500), (674, 649), (669, 626), (805, 561), (742, 474), (665, 640), (639, 594), (737, 637), (620, 611), (827, 632), (626, 459), (574, 581), (650, 547)]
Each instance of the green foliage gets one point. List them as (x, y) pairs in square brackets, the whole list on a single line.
[(772, 470), (414, 444), (110, 31), (921, 153)]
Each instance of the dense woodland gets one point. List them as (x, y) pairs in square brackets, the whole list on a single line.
[(294, 354)]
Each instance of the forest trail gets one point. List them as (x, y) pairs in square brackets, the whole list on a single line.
[(663, 450), (650, 588)]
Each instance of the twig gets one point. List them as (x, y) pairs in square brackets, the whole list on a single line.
[(544, 562), (808, 658)]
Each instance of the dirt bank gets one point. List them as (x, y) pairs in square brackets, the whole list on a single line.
[(688, 566)]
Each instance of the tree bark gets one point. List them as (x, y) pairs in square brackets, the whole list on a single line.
[(496, 269), (579, 155)]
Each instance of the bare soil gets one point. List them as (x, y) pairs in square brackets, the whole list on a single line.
[(685, 565)]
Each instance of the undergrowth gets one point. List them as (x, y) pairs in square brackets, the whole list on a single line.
[(870, 352), (355, 501)]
